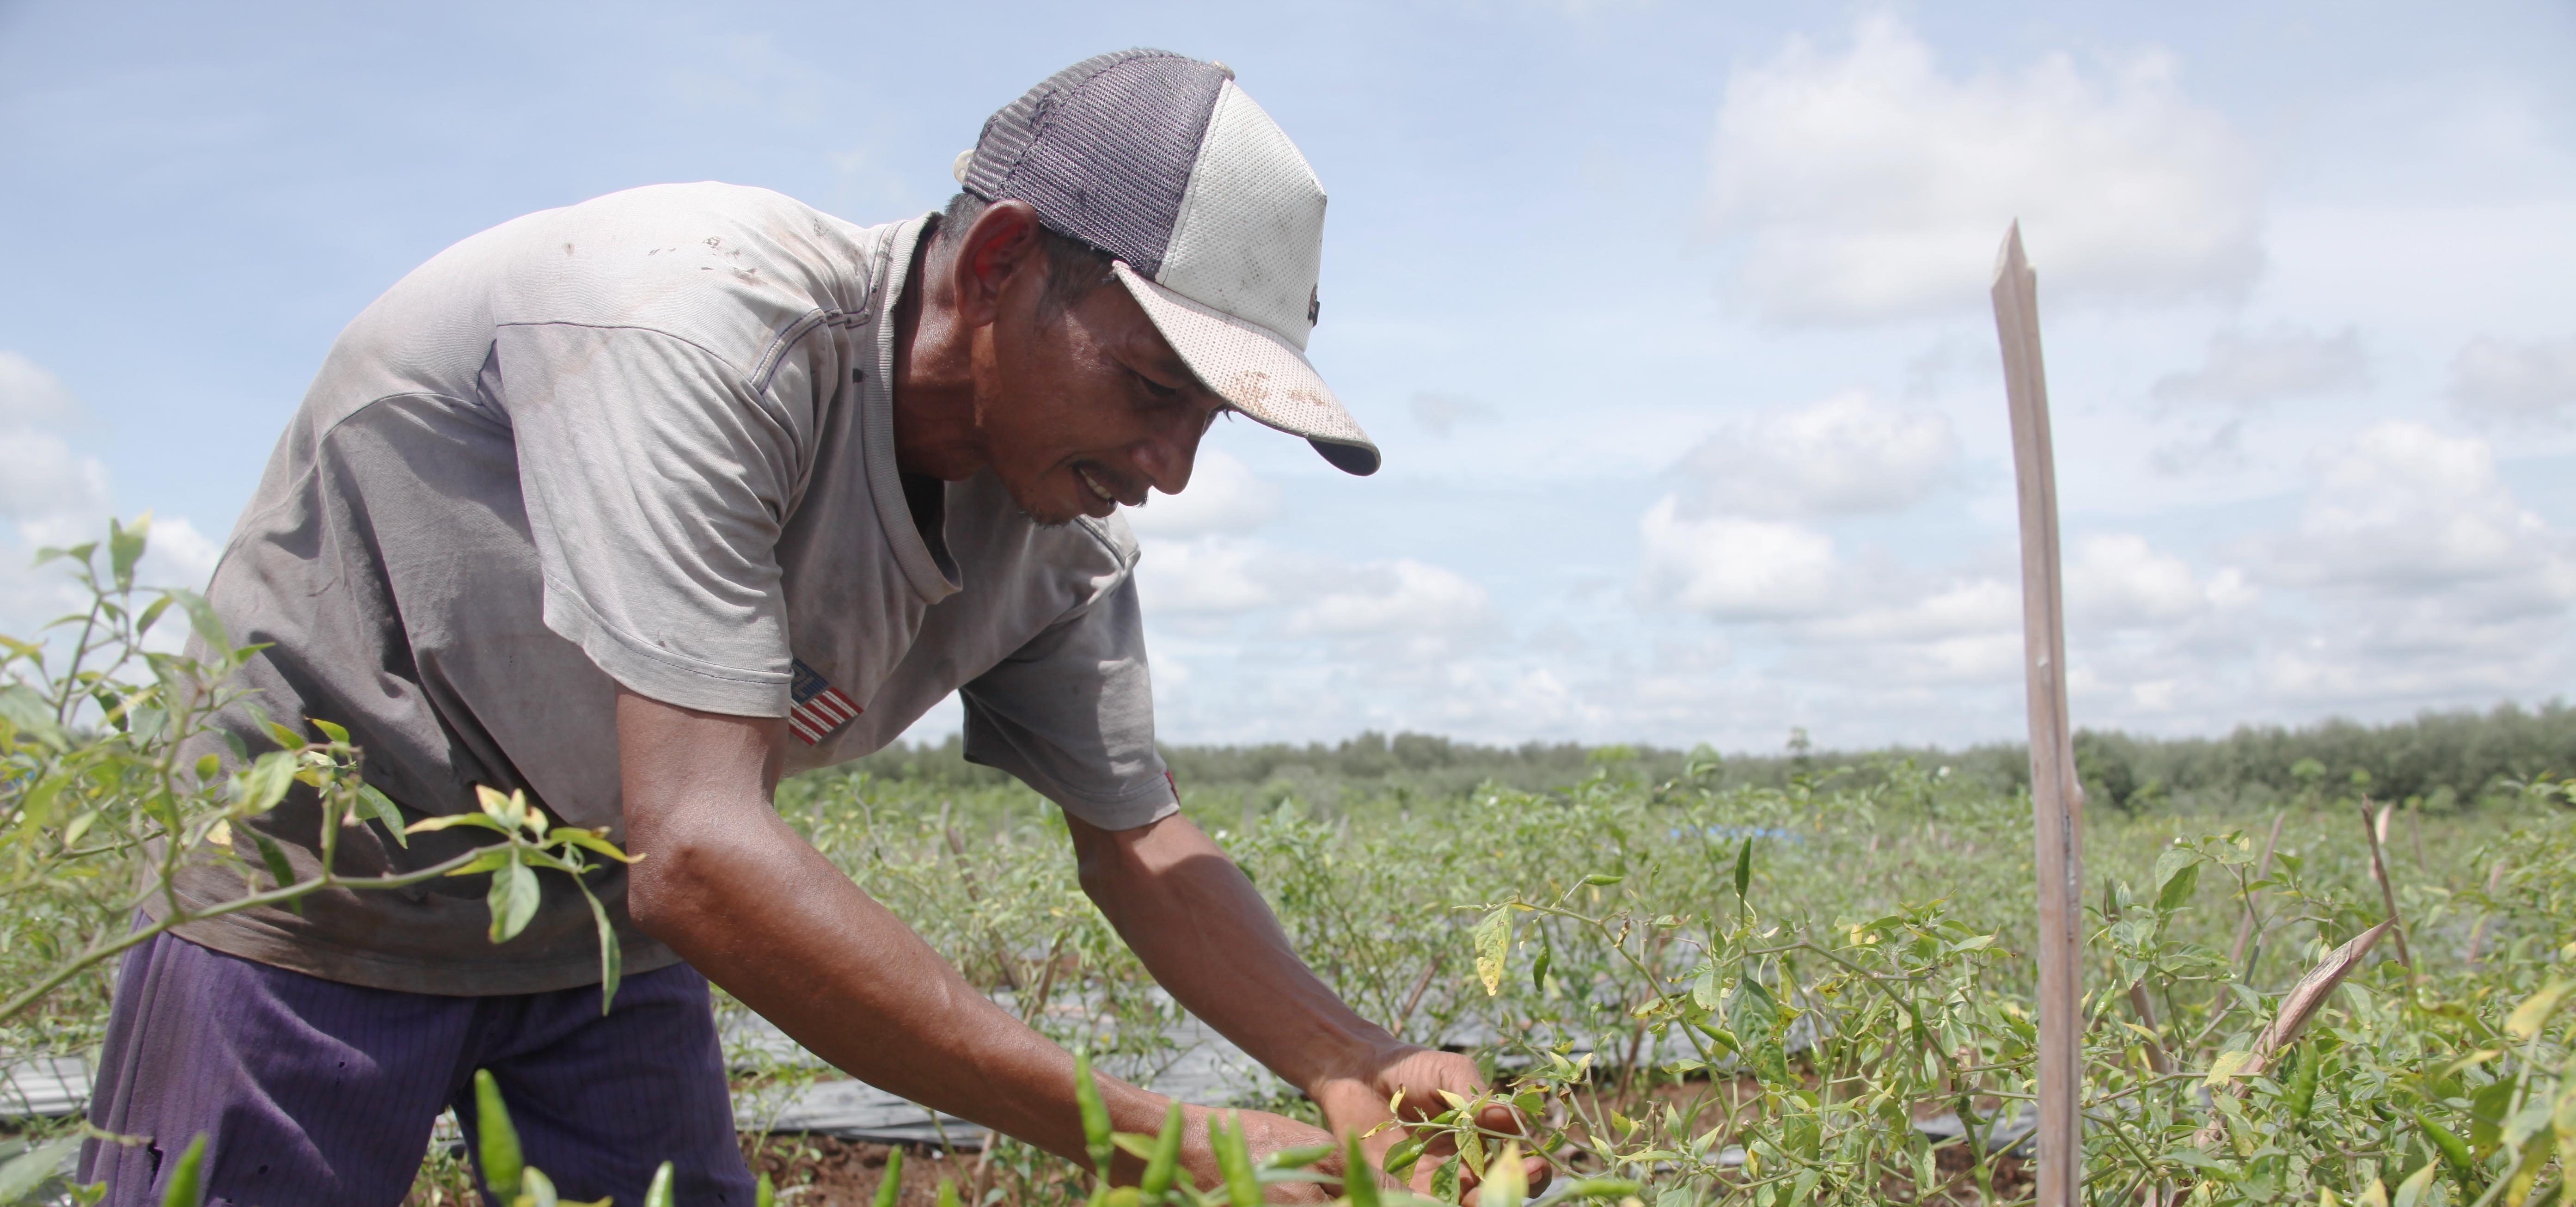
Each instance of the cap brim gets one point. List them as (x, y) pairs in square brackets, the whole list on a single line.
[(1256, 372)]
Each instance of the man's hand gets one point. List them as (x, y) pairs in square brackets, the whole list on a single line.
[(1211, 941), (1413, 1078)]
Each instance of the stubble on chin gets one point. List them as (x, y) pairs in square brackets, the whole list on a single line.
[(1034, 515)]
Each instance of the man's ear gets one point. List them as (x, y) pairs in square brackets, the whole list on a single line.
[(1005, 242)]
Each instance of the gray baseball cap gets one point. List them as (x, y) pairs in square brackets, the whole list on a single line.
[(1213, 219)]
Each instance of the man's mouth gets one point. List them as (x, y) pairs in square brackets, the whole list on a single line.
[(1093, 481)]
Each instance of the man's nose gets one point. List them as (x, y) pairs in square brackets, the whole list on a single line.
[(1167, 456)]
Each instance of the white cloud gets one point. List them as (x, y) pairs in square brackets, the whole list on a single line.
[(43, 481), (52, 494), (1441, 414), (1224, 496), (2118, 580), (1845, 455), (30, 394), (1210, 576), (1735, 568), (2284, 362), (2405, 510), (1938, 612), (2223, 449), (1403, 598), (1870, 184), (2499, 381)]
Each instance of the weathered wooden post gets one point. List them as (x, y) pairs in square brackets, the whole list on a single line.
[(2056, 796)]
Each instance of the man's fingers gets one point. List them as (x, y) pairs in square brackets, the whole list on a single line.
[(1500, 1118), (1419, 1105)]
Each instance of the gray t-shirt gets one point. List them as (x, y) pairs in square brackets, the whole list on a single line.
[(648, 440)]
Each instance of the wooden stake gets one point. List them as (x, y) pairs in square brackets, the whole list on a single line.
[(2056, 799)]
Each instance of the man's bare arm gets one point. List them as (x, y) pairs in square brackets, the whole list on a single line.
[(748, 902), (1209, 938)]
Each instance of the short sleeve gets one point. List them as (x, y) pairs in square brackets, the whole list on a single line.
[(1072, 715), (656, 485)]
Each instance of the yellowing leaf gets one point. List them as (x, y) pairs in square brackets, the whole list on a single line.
[(2527, 1018), (2223, 1069), (1493, 948), (1506, 1184), (2411, 1191)]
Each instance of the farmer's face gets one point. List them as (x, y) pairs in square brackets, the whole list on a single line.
[(1084, 407)]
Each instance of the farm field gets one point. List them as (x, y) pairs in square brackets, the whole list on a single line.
[(1802, 984), (1790, 1042)]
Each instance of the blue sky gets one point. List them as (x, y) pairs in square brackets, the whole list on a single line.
[(1669, 319)]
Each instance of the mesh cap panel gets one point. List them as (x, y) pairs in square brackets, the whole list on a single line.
[(1103, 149)]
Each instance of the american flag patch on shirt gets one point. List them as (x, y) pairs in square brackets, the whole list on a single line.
[(819, 708)]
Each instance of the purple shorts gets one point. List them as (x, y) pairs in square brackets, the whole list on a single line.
[(311, 1092)]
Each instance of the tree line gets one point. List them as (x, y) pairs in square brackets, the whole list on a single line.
[(2439, 760)]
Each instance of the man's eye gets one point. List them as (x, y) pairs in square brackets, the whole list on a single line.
[(1157, 390)]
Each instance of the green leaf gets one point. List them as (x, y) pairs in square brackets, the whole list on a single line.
[(2487, 1109), (1358, 1184), (2177, 888), (1444, 1181), (1166, 1158), (380, 807), (948, 1194), (275, 857), (209, 626), (658, 1193), (1704, 989), (2171, 863), (334, 732), (488, 859), (287, 738), (186, 1187), (612, 958), (28, 1170), (535, 1188), (890, 1187), (125, 547), (1493, 941), (496, 1141), (151, 614), (266, 783), (25, 708), (512, 899)]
